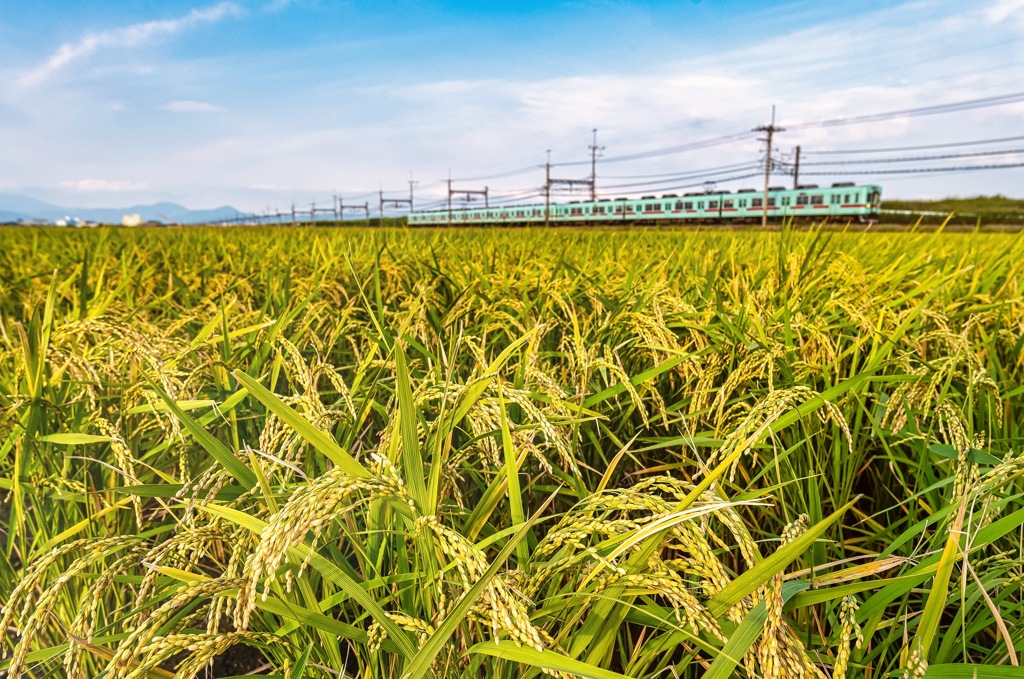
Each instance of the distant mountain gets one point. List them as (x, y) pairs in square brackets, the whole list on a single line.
[(14, 207)]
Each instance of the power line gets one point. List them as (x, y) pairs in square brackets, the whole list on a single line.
[(734, 166), (925, 147), (920, 170), (950, 107), (707, 143), (909, 159), (686, 176), (705, 184)]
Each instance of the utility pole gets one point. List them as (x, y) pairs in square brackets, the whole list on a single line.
[(411, 184), (328, 212), (547, 190), (594, 150), (293, 215), (365, 207), (571, 183), (337, 213), (769, 131), (395, 202), (466, 195), (796, 170)]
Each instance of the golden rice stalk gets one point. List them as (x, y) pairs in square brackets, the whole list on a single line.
[(137, 645), (35, 609), (311, 508), (503, 610), (202, 648), (849, 631)]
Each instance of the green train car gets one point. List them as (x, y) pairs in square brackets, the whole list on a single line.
[(842, 201)]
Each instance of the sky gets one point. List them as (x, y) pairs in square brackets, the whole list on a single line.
[(263, 103)]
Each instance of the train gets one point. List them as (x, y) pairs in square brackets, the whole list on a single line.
[(841, 201)]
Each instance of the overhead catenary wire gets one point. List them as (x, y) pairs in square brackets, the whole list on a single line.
[(706, 143), (924, 147), (935, 109), (734, 166), (683, 177), (912, 159), (918, 170)]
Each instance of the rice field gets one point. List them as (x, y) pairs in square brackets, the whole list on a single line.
[(371, 453)]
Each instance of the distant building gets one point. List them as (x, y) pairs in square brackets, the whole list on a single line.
[(67, 220), (131, 220)]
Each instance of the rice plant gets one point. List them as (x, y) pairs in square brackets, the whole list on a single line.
[(361, 453)]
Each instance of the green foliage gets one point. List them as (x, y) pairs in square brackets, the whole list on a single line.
[(995, 210)]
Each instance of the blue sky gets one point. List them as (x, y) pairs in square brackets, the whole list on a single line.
[(259, 103)]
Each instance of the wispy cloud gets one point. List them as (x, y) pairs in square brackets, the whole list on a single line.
[(1001, 10), (190, 106), (126, 36), (102, 185)]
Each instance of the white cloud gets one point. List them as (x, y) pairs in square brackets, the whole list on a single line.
[(1001, 10), (190, 106), (125, 36), (102, 185)]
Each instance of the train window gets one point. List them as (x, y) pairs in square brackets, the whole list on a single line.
[(728, 203), (742, 202), (846, 199), (712, 204), (785, 200), (801, 199), (756, 202), (700, 204), (818, 200), (771, 202), (679, 205), (688, 205), (835, 199)]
